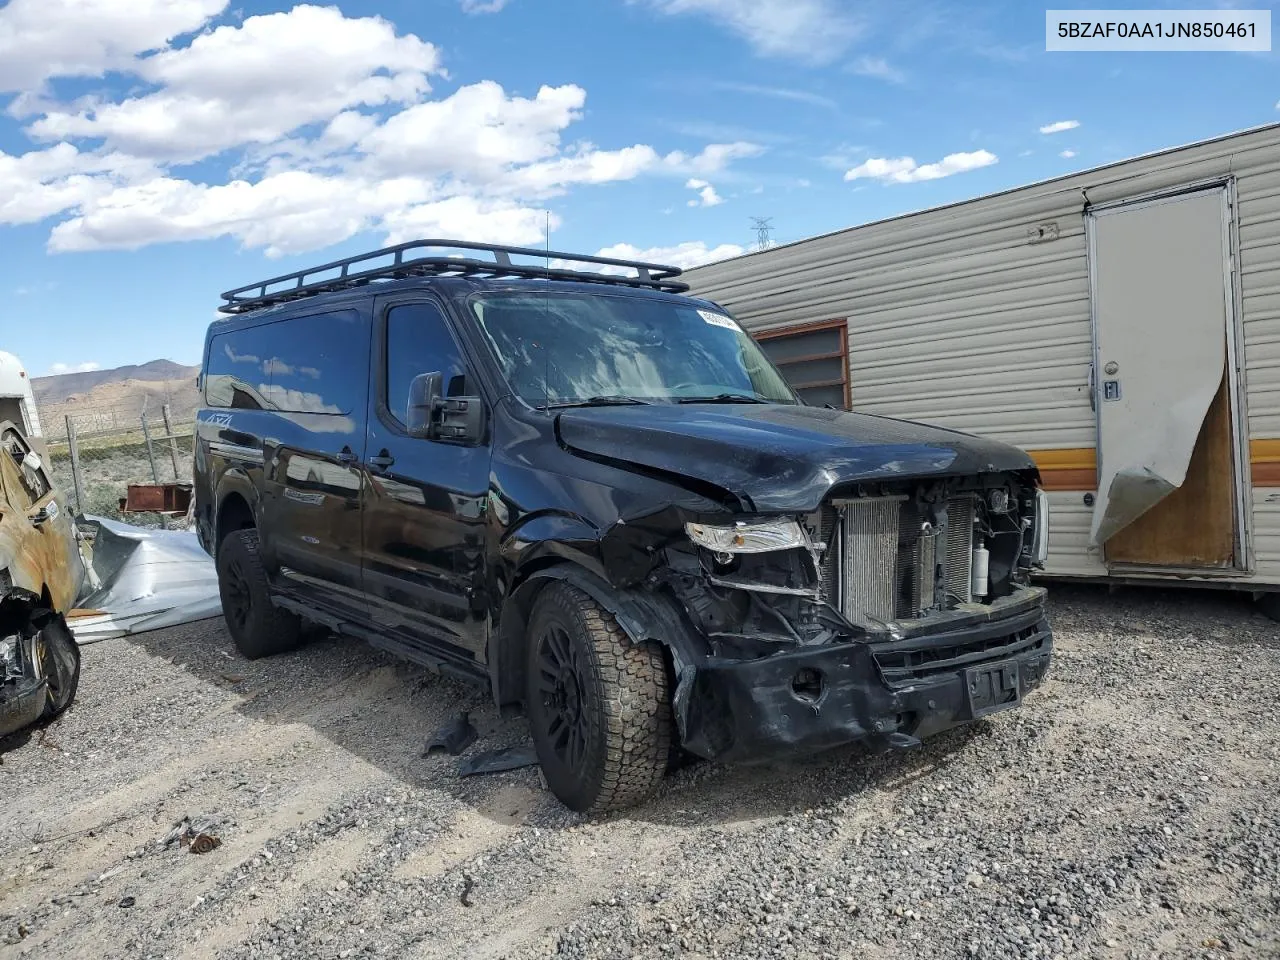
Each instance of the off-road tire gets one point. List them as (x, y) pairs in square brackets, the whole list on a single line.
[(624, 702), (258, 628)]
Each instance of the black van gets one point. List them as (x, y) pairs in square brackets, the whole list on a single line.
[(565, 479)]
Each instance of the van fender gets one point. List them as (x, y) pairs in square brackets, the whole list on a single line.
[(542, 539), (235, 481), (644, 617)]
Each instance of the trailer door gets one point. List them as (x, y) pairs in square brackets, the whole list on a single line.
[(1167, 451)]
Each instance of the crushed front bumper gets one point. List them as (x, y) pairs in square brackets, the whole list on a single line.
[(896, 691)]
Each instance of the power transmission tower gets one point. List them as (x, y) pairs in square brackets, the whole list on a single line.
[(763, 227)]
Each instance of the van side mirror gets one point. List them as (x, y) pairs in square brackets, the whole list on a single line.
[(424, 392), (432, 417)]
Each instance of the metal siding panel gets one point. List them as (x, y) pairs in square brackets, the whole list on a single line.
[(944, 318), (1070, 553), (1266, 535), (1258, 265)]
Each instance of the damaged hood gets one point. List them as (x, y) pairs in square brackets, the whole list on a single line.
[(777, 457)]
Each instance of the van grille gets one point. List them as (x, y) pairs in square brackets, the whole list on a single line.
[(882, 557)]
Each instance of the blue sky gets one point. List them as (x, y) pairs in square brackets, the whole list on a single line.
[(156, 152)]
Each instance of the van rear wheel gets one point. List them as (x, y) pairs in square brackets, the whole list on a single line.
[(598, 705), (258, 628)]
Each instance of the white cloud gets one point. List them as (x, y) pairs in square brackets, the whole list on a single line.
[(482, 221), (906, 170), (1060, 126), (57, 369), (285, 213), (779, 93), (1067, 154), (254, 83), (41, 183), (478, 130), (713, 159), (816, 30), (292, 213), (328, 130), (684, 255), (707, 196), (40, 39), (483, 6), (879, 68)]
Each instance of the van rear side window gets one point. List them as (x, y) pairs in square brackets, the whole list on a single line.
[(301, 365)]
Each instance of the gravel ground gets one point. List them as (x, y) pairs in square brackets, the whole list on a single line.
[(1129, 809)]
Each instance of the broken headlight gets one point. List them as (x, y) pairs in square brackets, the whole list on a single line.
[(742, 537), (1040, 543)]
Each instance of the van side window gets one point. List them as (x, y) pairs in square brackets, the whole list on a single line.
[(419, 341), (301, 365), (235, 377)]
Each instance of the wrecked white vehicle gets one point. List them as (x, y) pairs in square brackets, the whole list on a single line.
[(41, 573), (67, 581)]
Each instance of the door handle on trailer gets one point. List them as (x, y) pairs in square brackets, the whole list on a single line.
[(381, 461), (347, 455)]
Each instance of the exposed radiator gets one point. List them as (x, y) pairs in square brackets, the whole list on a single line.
[(870, 559), (917, 562), (883, 556), (959, 560)]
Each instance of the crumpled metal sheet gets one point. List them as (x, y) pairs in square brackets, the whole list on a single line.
[(143, 580)]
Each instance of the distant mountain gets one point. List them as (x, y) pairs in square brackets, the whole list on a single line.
[(108, 400), (58, 388)]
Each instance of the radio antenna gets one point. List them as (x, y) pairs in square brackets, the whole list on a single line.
[(546, 311)]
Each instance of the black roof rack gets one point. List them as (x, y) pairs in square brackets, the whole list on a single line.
[(404, 264)]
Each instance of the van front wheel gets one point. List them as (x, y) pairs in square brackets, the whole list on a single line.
[(598, 705), (258, 628)]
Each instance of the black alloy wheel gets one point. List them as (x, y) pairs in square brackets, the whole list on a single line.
[(598, 704)]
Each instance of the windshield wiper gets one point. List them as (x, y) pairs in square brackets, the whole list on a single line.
[(722, 398), (608, 400)]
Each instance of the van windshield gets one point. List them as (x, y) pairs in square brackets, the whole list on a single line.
[(564, 348)]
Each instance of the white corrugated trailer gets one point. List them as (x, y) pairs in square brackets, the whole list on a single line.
[(1121, 324), (17, 398)]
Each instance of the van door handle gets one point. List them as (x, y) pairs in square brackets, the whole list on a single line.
[(347, 455), (381, 461)]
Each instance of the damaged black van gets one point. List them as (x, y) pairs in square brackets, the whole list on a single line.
[(557, 475)]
